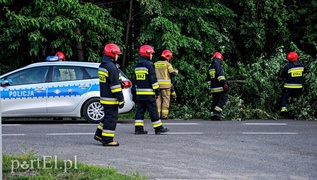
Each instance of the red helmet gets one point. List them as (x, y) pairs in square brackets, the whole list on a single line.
[(167, 54), (61, 56), (292, 56), (218, 55), (146, 50), (112, 50)]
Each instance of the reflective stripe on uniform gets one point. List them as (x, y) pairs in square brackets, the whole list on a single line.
[(218, 109), (164, 81), (283, 109), (109, 101), (116, 88), (160, 65), (108, 133), (138, 123), (141, 70), (155, 85), (296, 72), (145, 93), (287, 85), (100, 126), (141, 73), (140, 91), (157, 123), (217, 89), (221, 78), (103, 72), (212, 73), (165, 111)]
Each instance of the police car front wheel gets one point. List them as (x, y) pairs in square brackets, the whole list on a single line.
[(93, 111)]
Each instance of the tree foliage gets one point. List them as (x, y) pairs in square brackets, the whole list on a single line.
[(253, 35), (40, 28)]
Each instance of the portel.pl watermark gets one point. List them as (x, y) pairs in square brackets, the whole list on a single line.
[(44, 162)]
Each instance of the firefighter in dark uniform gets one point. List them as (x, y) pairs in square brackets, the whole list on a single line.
[(147, 89), (219, 86), (111, 96), (292, 75)]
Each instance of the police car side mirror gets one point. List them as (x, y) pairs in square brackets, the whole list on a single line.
[(5, 82)]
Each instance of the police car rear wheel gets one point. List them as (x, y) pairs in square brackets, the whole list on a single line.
[(93, 111)]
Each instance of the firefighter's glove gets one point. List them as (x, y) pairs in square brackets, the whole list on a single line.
[(121, 104), (173, 93), (122, 84), (226, 87), (157, 93)]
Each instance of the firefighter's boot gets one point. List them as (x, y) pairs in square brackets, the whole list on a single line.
[(97, 136), (216, 116), (164, 117), (160, 130), (98, 133), (112, 143), (284, 112), (139, 130)]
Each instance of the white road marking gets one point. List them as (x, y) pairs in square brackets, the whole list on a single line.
[(182, 133), (186, 124), (169, 124), (13, 134), (269, 133), (82, 124), (71, 134), (265, 124), (11, 124)]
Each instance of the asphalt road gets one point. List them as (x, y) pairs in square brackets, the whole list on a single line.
[(195, 149)]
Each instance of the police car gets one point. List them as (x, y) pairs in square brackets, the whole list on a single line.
[(57, 89)]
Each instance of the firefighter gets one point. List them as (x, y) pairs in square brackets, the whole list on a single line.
[(292, 75), (65, 74), (219, 86), (111, 96), (62, 74), (61, 56), (147, 89), (165, 73)]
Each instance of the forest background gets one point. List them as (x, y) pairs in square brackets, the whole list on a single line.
[(254, 36)]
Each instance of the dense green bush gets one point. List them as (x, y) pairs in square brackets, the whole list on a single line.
[(255, 90), (253, 35)]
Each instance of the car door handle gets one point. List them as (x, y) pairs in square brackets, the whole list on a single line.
[(40, 89), (83, 86)]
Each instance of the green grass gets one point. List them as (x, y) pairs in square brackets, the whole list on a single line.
[(131, 115), (30, 167)]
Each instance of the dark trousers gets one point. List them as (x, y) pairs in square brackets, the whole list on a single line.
[(151, 106), (219, 100), (106, 128), (289, 92)]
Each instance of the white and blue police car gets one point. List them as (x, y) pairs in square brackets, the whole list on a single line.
[(57, 89)]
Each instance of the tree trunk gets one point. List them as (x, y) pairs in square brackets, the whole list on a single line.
[(126, 49), (79, 48)]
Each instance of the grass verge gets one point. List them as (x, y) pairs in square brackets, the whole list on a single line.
[(30, 167)]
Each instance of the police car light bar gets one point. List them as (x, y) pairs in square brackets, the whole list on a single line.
[(52, 58)]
